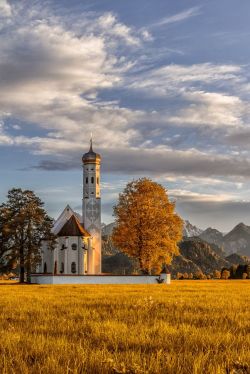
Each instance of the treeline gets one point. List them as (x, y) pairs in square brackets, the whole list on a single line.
[(234, 272)]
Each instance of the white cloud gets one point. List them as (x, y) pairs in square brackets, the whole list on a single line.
[(5, 9), (210, 108), (180, 194), (178, 17), (174, 79), (4, 138), (109, 24), (51, 76)]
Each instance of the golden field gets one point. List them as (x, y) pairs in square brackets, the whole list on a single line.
[(187, 327)]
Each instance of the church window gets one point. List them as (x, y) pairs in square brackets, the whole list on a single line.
[(45, 267), (87, 180), (73, 267), (62, 267), (74, 247), (92, 179), (97, 180), (55, 267)]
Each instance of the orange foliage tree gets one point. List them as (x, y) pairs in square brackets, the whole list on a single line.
[(147, 227)]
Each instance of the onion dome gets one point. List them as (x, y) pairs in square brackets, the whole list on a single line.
[(91, 155)]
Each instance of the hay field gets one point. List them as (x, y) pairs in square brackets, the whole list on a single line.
[(187, 327)]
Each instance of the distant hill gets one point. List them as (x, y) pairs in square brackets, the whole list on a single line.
[(213, 236), (238, 240), (202, 255), (236, 259)]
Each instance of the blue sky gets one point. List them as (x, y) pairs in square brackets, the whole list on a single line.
[(162, 85)]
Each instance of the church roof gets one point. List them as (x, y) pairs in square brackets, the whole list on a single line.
[(72, 227), (91, 155)]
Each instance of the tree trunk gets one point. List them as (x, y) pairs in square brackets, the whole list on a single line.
[(22, 269), (28, 271)]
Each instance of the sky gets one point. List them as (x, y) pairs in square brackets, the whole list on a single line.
[(163, 86)]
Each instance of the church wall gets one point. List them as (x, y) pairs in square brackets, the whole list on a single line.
[(99, 279), (69, 255), (47, 258)]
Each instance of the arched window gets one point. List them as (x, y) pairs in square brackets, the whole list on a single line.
[(74, 247), (73, 267), (87, 180), (97, 180), (62, 267), (45, 267), (92, 180)]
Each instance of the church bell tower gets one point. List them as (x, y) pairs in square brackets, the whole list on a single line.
[(91, 207)]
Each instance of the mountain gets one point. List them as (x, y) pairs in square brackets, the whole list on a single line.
[(107, 229), (202, 255), (238, 240), (236, 259), (212, 236), (182, 265), (190, 230)]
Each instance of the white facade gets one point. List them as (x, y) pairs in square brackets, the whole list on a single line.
[(91, 207), (78, 247), (70, 255), (100, 279)]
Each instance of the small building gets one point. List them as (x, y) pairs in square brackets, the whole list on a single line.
[(78, 245), (70, 255)]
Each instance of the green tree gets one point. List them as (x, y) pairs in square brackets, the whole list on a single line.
[(147, 227), (24, 224)]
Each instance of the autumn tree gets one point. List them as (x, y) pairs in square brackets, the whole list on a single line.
[(217, 274), (147, 227), (23, 225), (225, 274)]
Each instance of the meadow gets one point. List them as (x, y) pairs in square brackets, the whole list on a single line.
[(187, 327)]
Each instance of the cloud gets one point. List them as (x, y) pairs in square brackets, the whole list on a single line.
[(51, 75), (210, 108), (4, 138), (240, 137), (160, 162), (54, 69), (110, 25), (178, 17), (222, 215), (5, 9), (174, 79)]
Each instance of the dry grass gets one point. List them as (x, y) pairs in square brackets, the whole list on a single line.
[(188, 327)]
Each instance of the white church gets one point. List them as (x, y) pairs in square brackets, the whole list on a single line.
[(77, 256), (78, 247)]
